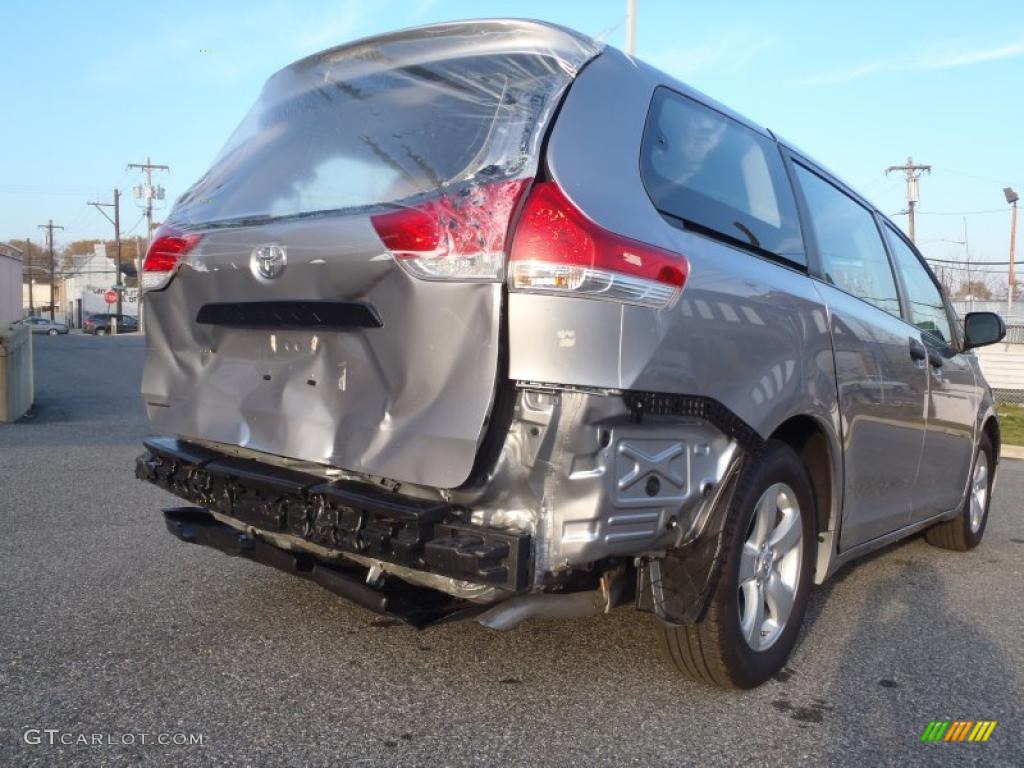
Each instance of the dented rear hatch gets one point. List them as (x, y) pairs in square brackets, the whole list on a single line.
[(331, 290)]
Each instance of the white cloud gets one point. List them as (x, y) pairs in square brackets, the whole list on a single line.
[(920, 63)]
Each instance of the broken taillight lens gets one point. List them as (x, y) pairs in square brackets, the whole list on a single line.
[(162, 259), (460, 235), (557, 249)]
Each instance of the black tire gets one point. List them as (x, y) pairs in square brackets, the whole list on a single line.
[(52, 332), (956, 534), (714, 651), (101, 331)]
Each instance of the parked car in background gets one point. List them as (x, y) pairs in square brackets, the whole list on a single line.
[(491, 320), (46, 325), (100, 324)]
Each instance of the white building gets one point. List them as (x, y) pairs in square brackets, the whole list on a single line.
[(39, 304), (11, 275), (85, 283)]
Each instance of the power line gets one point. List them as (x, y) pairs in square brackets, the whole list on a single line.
[(133, 226), (971, 268), (960, 261), (1001, 183), (962, 213)]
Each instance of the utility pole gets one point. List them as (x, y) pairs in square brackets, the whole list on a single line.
[(49, 239), (631, 27), (913, 173), (148, 193), (1011, 198), (28, 255), (116, 221), (967, 256)]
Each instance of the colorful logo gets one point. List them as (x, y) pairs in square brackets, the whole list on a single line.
[(958, 730)]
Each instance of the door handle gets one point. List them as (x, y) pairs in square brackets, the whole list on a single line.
[(917, 351), (935, 359)]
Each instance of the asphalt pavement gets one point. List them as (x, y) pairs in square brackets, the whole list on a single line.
[(114, 632)]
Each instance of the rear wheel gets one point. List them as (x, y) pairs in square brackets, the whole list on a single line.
[(755, 613), (52, 332), (964, 531), (101, 331)]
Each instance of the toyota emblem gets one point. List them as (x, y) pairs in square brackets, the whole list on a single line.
[(267, 261)]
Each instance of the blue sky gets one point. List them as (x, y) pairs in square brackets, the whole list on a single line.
[(90, 87)]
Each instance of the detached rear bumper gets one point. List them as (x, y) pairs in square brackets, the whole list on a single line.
[(341, 516), (417, 606)]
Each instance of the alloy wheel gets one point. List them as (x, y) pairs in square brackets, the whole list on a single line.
[(979, 491), (770, 567)]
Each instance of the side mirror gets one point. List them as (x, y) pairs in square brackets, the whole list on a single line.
[(982, 328)]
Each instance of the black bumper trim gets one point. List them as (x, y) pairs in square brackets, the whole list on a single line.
[(417, 606), (642, 404), (427, 535), (327, 314)]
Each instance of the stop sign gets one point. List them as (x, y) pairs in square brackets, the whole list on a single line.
[(110, 297)]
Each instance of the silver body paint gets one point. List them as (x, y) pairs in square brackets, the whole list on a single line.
[(406, 401), (410, 403)]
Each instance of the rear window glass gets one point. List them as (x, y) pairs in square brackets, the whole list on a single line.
[(325, 138), (718, 176)]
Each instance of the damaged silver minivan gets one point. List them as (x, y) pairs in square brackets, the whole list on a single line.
[(488, 320)]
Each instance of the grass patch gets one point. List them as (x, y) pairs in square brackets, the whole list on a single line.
[(1011, 424)]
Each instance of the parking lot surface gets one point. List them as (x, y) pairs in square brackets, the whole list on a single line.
[(110, 627)]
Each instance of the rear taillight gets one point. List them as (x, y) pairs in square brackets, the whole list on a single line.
[(458, 236), (162, 259), (557, 249)]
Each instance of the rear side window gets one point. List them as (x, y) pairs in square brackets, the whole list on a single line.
[(927, 309), (850, 246), (718, 177)]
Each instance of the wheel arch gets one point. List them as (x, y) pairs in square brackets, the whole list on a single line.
[(821, 453), (811, 441), (990, 427)]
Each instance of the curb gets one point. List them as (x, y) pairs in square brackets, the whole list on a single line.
[(1011, 452)]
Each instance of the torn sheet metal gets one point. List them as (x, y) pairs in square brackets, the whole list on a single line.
[(588, 482), (446, 121), (677, 584)]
